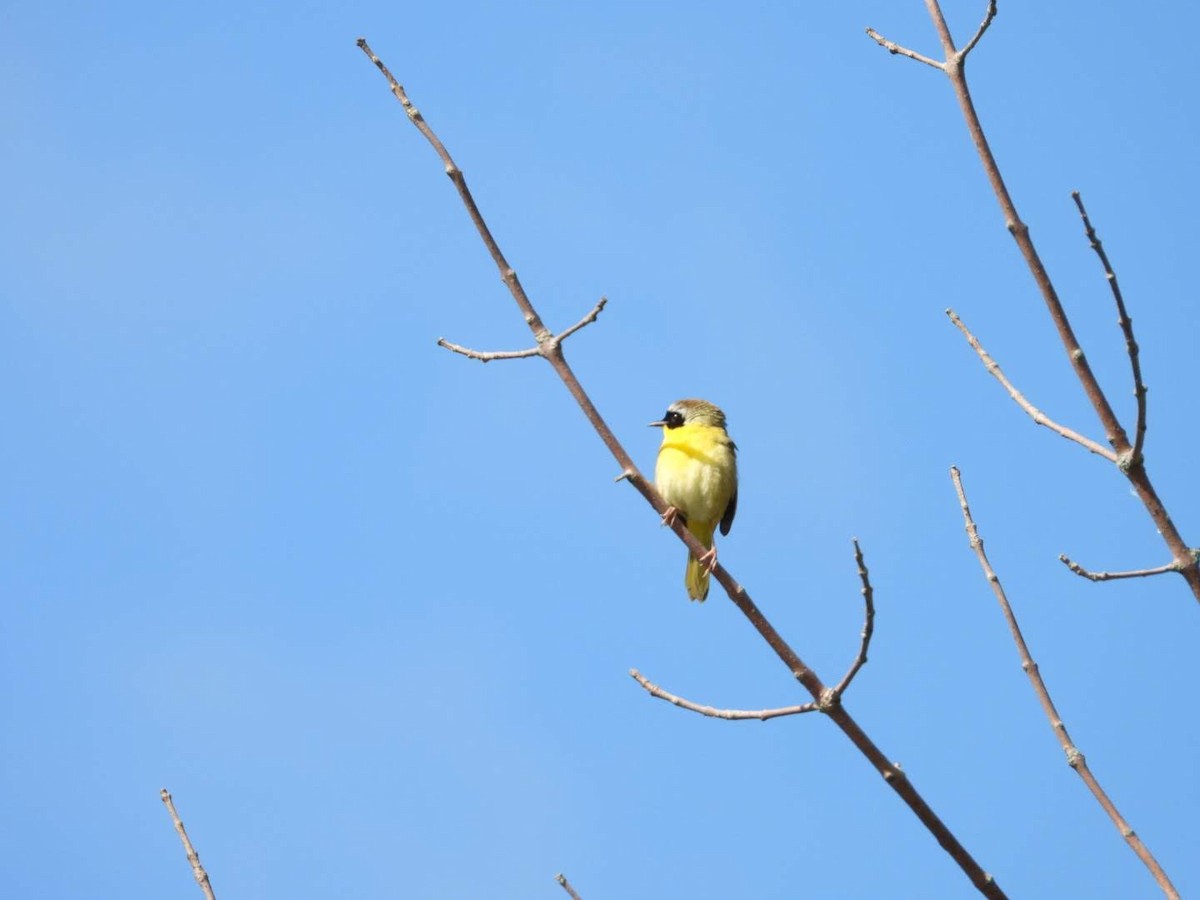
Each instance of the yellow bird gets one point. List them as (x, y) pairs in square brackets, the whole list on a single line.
[(696, 474)]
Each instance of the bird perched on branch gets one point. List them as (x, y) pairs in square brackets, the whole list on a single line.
[(696, 474)]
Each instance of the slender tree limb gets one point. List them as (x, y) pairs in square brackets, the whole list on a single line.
[(566, 886), (732, 714), (868, 631), (1075, 758), (987, 21), (586, 320), (552, 351), (1034, 413), (489, 355), (198, 872), (1114, 576), (895, 49), (1129, 462), (1126, 323)]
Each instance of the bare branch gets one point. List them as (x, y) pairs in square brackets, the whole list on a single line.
[(1114, 576), (546, 340), (894, 48), (193, 857), (552, 352), (566, 886), (822, 704), (868, 625), (732, 714), (490, 355), (1075, 758), (987, 21), (1126, 323), (1127, 457), (1034, 413), (586, 320)]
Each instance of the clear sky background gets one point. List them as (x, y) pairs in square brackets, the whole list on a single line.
[(368, 608)]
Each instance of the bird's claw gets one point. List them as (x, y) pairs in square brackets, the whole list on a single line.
[(709, 560), (670, 517)]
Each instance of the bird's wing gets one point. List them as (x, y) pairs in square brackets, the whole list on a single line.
[(730, 511)]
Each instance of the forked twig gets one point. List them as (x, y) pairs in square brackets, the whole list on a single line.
[(198, 872), (830, 697), (552, 352), (1126, 323), (1034, 413), (566, 886), (1115, 576), (1128, 456), (491, 355), (954, 59), (1075, 758)]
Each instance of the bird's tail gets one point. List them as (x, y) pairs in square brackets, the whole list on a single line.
[(696, 576)]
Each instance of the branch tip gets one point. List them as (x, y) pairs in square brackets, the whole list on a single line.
[(1032, 411), (1075, 756), (712, 712), (1079, 570)]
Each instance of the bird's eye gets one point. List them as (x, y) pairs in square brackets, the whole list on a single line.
[(673, 419)]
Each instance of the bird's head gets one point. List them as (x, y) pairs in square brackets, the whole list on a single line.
[(691, 412)]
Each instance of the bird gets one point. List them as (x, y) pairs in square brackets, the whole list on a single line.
[(696, 474)]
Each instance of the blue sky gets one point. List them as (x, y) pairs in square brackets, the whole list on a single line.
[(367, 608)]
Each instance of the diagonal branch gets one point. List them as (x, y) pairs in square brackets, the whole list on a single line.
[(711, 711), (1075, 758), (1127, 459), (1115, 576), (1126, 323), (987, 21), (552, 352), (198, 872), (868, 625), (566, 886), (1034, 413), (586, 320)]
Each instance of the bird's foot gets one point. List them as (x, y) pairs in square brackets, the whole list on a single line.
[(709, 560), (671, 516)]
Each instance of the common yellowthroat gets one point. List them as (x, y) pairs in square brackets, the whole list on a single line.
[(696, 474)]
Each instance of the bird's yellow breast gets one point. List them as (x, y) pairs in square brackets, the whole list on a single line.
[(696, 471)]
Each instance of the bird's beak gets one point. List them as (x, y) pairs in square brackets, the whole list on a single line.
[(658, 424)]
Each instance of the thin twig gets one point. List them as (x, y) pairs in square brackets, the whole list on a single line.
[(987, 21), (193, 857), (894, 48), (490, 355), (552, 352), (566, 886), (1075, 758), (1034, 413), (1126, 323), (586, 320), (868, 594), (1114, 576), (732, 714), (1127, 460)]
